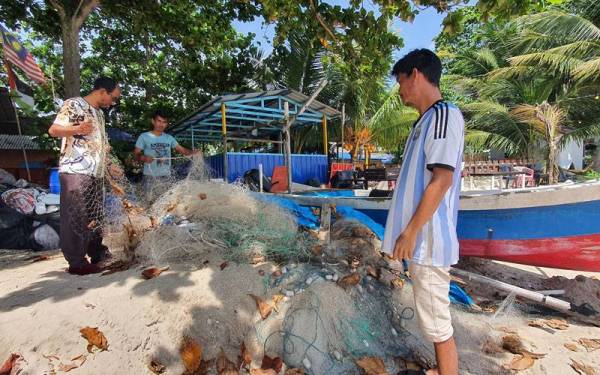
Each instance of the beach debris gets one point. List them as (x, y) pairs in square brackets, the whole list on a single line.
[(263, 308), (294, 371), (261, 272), (71, 366), (274, 363), (276, 299), (590, 344), (507, 330), (118, 266), (223, 265), (520, 362), (397, 283), (202, 196), (153, 272), (191, 354), (12, 364), (276, 274), (257, 259), (572, 347), (95, 338), (39, 258), (156, 367), (372, 271), (244, 358), (372, 365), (225, 366), (557, 323), (259, 371), (491, 347), (306, 363), (581, 368), (513, 344), (349, 280)]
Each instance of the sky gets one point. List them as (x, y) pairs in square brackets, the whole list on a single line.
[(418, 34)]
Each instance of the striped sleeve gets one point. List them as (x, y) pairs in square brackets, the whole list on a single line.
[(445, 137)]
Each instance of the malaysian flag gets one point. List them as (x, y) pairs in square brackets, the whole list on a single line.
[(15, 53)]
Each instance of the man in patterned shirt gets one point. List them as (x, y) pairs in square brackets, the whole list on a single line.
[(421, 224), (80, 124)]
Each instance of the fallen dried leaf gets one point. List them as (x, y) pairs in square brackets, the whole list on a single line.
[(91, 225), (491, 347), (257, 259), (156, 367), (202, 196), (68, 367), (274, 363), (520, 362), (539, 323), (94, 338), (294, 371), (171, 207), (224, 265), (261, 272), (225, 366), (506, 330), (372, 366), (245, 358), (581, 368), (557, 323), (317, 250), (572, 347), (349, 280), (191, 354), (372, 271), (263, 308), (513, 344), (276, 274), (277, 298), (590, 344), (153, 272), (397, 283), (51, 357), (39, 258), (259, 371), (118, 266)]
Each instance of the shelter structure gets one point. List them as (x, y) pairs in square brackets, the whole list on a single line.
[(264, 117)]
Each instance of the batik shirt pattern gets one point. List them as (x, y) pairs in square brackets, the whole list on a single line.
[(82, 154)]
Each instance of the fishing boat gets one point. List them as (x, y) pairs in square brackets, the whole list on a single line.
[(554, 226)]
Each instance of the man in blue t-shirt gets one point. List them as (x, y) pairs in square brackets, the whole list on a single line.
[(153, 148)]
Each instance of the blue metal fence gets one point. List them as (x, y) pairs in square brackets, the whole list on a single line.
[(304, 167)]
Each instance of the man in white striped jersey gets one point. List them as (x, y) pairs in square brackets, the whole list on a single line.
[(421, 224)]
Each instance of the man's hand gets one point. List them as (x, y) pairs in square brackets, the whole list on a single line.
[(405, 245), (84, 128), (147, 159)]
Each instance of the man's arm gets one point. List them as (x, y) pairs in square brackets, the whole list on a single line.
[(139, 156), (440, 182), (59, 131), (185, 151)]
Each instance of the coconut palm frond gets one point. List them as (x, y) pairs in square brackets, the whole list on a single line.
[(582, 131), (588, 71), (564, 25)]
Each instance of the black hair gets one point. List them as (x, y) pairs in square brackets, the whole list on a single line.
[(107, 83), (424, 61), (160, 113)]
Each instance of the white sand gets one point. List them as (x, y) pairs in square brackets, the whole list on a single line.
[(42, 309)]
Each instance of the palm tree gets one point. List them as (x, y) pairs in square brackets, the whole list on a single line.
[(541, 91)]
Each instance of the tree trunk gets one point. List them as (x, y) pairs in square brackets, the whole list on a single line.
[(596, 160), (71, 58), (552, 167)]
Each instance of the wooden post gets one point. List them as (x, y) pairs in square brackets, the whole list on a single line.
[(325, 224), (288, 144), (192, 131), (224, 134), (325, 145)]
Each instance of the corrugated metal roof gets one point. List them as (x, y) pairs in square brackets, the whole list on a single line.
[(261, 110), (18, 142)]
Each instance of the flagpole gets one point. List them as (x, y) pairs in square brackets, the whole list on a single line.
[(12, 102), (21, 134)]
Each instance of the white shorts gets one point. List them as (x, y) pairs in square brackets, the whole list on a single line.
[(431, 286)]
